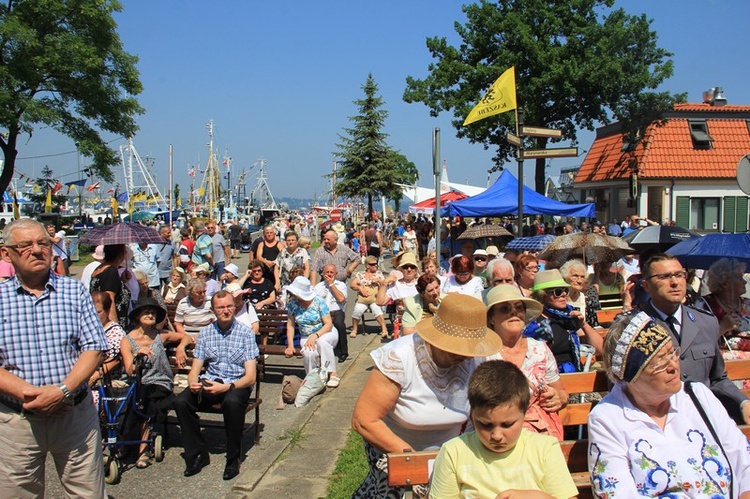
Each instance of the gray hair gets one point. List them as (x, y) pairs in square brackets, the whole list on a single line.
[(22, 223), (571, 265), (499, 262), (195, 284), (721, 271), (199, 225), (139, 274)]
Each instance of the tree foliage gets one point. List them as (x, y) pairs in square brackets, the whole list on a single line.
[(39, 194), (62, 65), (578, 63), (368, 166)]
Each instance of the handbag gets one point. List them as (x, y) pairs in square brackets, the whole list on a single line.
[(704, 417), (370, 299), (289, 389)]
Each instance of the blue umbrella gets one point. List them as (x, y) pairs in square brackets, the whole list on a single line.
[(701, 252), (532, 243)]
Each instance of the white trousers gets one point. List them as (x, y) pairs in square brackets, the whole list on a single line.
[(322, 353)]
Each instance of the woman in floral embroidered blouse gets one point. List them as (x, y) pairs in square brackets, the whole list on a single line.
[(647, 437)]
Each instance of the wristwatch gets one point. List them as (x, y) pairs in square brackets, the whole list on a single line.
[(231, 387), (67, 396)]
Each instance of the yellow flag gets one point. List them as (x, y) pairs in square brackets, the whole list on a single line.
[(501, 97), (16, 210), (115, 207), (48, 202)]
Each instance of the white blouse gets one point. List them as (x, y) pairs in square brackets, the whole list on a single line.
[(630, 455), (472, 288)]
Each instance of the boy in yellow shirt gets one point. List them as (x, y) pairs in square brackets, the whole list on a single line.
[(500, 459)]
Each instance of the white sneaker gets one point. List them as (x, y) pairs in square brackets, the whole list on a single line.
[(333, 382)]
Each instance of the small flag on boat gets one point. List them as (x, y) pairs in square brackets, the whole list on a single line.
[(95, 186)]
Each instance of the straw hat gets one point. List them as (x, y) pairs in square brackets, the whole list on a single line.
[(338, 227), (161, 313), (492, 250), (98, 254), (301, 288), (548, 279), (407, 258), (503, 293), (233, 288), (480, 252), (460, 327)]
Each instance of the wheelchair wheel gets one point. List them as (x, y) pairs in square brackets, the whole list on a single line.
[(159, 448), (112, 470)]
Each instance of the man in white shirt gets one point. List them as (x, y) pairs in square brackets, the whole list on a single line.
[(333, 292)]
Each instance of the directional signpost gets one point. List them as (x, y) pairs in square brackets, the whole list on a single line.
[(517, 140)]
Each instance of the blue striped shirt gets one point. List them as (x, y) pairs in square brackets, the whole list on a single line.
[(41, 338), (224, 353)]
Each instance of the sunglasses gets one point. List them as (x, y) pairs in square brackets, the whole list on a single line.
[(480, 258), (507, 308), (558, 292), (409, 267)]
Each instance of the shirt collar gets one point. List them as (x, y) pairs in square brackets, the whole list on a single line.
[(662, 316), (226, 332), (51, 283)]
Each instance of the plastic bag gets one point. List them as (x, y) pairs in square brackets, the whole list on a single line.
[(314, 383)]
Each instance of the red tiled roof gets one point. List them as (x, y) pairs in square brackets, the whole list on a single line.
[(667, 151)]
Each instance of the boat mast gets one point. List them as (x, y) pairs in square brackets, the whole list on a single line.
[(209, 189), (139, 183)]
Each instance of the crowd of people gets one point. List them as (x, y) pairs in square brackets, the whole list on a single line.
[(482, 341)]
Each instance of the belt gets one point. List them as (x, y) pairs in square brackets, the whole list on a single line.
[(18, 408)]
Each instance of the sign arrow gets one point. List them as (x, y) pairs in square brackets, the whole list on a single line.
[(561, 152), (533, 131), (513, 139)]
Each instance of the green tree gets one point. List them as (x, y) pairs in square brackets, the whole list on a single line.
[(406, 173), (577, 63), (368, 166), (62, 65), (39, 194)]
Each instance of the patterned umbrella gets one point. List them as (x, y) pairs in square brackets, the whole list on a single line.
[(480, 231), (122, 233), (590, 247), (532, 243)]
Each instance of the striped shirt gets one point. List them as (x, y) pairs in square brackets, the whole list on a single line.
[(342, 258), (193, 318), (225, 352), (41, 338)]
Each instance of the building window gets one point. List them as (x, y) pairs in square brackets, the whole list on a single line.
[(699, 134), (704, 214)]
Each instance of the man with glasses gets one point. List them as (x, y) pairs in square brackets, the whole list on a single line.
[(227, 349), (499, 271), (696, 332), (481, 257), (51, 341)]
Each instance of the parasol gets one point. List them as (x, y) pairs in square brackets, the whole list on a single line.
[(532, 243), (589, 247), (701, 252), (121, 233), (480, 231), (661, 237)]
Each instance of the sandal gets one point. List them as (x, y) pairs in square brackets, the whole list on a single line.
[(333, 382), (143, 462)]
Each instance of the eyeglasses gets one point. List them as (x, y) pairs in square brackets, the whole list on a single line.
[(227, 308), (558, 292), (255, 271), (372, 263), (148, 311), (669, 275), (531, 269), (509, 280), (28, 246), (409, 267), (665, 361), (480, 258), (507, 308)]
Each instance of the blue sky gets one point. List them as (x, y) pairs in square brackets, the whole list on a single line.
[(279, 80)]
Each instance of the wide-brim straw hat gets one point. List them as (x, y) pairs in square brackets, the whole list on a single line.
[(301, 288), (503, 293), (460, 327), (203, 267), (161, 312), (407, 258), (548, 279)]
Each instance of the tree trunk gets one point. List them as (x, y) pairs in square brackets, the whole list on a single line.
[(369, 206), (10, 153)]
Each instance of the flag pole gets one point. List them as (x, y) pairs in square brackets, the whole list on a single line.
[(519, 133)]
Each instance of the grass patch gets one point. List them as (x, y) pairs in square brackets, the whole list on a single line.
[(294, 437), (351, 468), (315, 244)]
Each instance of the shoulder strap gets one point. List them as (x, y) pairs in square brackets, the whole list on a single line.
[(704, 416)]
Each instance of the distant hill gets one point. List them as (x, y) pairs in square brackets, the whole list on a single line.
[(295, 203)]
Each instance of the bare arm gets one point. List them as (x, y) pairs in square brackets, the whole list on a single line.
[(377, 398), (289, 351)]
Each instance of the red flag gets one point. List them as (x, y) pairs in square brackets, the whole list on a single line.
[(93, 186), (56, 188), (111, 191)]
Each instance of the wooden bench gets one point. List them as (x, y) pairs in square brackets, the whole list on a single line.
[(606, 316), (253, 403), (414, 468)]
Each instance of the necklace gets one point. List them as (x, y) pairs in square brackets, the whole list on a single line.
[(726, 307)]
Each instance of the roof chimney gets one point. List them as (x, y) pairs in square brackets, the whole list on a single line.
[(715, 97)]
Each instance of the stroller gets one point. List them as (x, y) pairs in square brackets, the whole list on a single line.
[(118, 402)]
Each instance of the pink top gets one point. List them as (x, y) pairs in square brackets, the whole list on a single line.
[(6, 270)]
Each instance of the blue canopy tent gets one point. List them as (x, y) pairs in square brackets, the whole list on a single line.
[(502, 199)]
